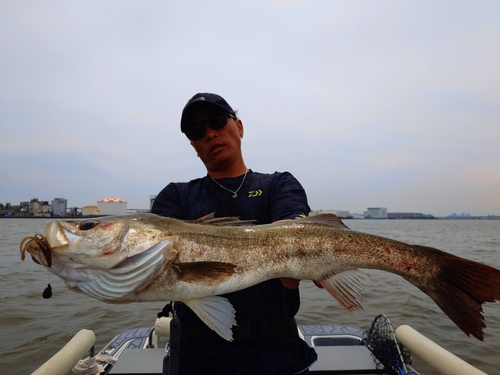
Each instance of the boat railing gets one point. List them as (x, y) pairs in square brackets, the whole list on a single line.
[(444, 362), (63, 361)]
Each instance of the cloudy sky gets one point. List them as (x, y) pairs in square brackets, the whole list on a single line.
[(368, 103)]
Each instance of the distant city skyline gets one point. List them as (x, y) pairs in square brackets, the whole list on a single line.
[(320, 210)]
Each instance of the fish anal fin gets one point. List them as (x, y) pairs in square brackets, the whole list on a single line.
[(346, 288), (216, 312), (205, 273)]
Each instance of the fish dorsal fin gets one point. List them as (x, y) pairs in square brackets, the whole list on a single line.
[(346, 287), (216, 312), (205, 273), (327, 219), (128, 275), (230, 221)]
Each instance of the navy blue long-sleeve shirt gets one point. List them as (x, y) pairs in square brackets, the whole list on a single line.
[(265, 198)]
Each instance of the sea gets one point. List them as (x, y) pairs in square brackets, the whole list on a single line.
[(33, 328)]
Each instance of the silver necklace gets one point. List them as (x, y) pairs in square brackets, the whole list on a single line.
[(235, 193)]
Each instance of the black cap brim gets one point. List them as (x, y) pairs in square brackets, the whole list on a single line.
[(201, 100)]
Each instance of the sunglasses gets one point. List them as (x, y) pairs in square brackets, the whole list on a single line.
[(197, 130)]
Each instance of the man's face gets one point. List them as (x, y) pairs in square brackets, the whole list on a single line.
[(217, 149)]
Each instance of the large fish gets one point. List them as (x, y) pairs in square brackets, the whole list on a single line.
[(145, 257)]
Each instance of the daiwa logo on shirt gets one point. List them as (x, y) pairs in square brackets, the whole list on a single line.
[(254, 193)]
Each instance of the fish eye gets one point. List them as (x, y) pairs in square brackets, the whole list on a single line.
[(88, 224)]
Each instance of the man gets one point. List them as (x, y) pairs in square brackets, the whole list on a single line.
[(265, 339)]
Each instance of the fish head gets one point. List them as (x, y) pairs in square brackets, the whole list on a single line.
[(106, 257), (94, 243)]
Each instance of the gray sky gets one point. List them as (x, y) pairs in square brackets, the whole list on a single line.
[(368, 103)]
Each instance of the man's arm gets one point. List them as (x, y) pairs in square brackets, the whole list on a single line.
[(167, 202), (289, 199)]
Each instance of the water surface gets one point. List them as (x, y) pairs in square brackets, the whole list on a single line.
[(33, 328)]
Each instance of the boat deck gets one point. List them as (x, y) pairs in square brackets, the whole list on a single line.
[(341, 351)]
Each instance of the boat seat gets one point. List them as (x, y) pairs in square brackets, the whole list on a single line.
[(351, 359), (139, 361)]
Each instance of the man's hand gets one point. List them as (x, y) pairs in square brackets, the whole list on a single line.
[(290, 283), (317, 284)]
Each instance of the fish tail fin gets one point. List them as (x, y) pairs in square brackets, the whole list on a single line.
[(460, 288)]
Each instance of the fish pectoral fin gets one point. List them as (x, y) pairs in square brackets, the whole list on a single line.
[(346, 287), (205, 273), (216, 312)]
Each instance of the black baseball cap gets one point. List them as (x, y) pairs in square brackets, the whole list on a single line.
[(200, 100)]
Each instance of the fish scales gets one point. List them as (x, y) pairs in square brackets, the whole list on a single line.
[(288, 245)]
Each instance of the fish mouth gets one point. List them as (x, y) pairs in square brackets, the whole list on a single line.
[(38, 245)]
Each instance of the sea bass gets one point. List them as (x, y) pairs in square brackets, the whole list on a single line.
[(145, 257)]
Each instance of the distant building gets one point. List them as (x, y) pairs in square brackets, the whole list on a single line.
[(463, 214), (342, 214), (90, 210), (112, 206), (39, 208), (408, 215), (58, 207), (6, 210), (376, 213), (24, 207)]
